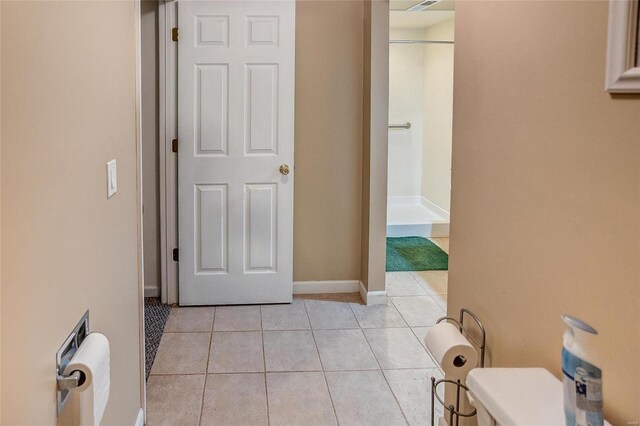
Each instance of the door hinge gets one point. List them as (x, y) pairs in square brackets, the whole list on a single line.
[(174, 145), (176, 256), (174, 33)]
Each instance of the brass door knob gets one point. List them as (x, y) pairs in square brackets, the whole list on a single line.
[(284, 169)]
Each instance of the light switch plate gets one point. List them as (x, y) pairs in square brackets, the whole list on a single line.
[(112, 178)]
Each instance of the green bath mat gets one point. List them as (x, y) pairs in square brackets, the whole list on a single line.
[(415, 254)]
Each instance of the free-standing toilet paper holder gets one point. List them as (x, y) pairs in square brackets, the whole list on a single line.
[(454, 411), (66, 382)]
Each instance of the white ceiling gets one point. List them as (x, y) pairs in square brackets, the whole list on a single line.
[(401, 4), (406, 4), (418, 19)]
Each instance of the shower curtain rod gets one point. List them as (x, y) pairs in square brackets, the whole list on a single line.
[(420, 42)]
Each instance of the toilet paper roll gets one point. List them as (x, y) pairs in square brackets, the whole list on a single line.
[(451, 350), (92, 359)]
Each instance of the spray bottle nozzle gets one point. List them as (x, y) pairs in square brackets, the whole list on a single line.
[(575, 323)]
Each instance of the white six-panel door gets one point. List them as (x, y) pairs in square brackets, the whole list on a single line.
[(235, 125)]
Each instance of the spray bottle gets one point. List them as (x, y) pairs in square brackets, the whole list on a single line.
[(581, 379)]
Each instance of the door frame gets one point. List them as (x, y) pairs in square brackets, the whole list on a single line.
[(374, 204), (140, 419), (167, 131)]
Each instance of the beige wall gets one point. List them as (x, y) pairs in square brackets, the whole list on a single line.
[(546, 189), (68, 104), (150, 150), (328, 135), (0, 213), (438, 115)]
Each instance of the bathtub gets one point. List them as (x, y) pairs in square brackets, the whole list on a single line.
[(415, 216)]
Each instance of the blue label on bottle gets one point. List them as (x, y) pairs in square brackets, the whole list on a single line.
[(582, 384)]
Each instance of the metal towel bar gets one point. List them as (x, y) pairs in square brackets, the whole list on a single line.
[(400, 126)]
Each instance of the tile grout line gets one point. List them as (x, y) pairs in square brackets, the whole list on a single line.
[(438, 305), (411, 273), (367, 341), (414, 333), (356, 317), (324, 376), (206, 370), (437, 366), (297, 371), (390, 299), (395, 398), (405, 320), (412, 327), (264, 365), (216, 331)]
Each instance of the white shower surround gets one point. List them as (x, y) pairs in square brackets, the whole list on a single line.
[(409, 212), (406, 104)]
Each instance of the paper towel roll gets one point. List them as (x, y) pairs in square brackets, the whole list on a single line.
[(450, 348), (92, 359)]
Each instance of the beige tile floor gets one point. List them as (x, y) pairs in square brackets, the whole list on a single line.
[(320, 360)]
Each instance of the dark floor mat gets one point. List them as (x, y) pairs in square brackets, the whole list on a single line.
[(415, 254), (155, 317)]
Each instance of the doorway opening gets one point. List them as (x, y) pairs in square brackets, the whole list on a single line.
[(156, 312), (419, 153), (221, 74)]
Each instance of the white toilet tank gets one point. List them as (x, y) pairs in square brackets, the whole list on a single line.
[(516, 396)]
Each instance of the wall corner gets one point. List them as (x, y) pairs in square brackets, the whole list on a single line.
[(374, 144)]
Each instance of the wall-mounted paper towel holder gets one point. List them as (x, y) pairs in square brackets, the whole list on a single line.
[(68, 349)]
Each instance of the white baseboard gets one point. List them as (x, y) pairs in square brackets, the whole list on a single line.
[(372, 297), (140, 418), (151, 291), (316, 287)]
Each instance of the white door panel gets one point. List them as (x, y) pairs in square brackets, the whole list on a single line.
[(235, 119)]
